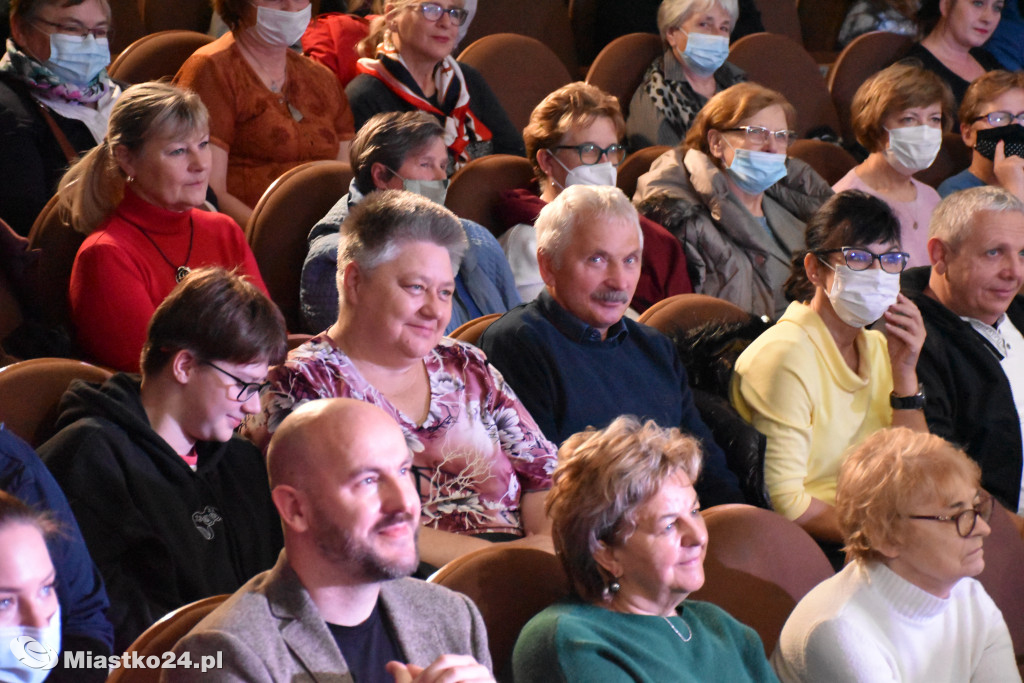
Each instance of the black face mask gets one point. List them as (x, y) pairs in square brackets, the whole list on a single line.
[(1012, 136)]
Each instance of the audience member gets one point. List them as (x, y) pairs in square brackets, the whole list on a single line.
[(628, 529), (1007, 41), (819, 381), (408, 65), (899, 115), (135, 196), (906, 607), (695, 35), (173, 507), (82, 598), (482, 466), (891, 16), (954, 32), (271, 109), (404, 150), (972, 364), (575, 138), (337, 600), (28, 593), (55, 98), (992, 125), (734, 200), (573, 357)]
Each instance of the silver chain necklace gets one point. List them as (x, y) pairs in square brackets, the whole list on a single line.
[(689, 631)]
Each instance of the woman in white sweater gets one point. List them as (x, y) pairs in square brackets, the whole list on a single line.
[(906, 607)]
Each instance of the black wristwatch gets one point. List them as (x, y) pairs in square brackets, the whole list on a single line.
[(915, 402)]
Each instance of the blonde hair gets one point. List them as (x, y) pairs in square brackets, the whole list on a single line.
[(726, 109), (893, 89), (602, 479), (94, 185), (576, 105), (889, 475), (986, 88), (379, 33)]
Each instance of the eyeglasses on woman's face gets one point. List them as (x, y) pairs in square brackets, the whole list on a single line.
[(759, 135), (432, 11), (73, 28), (861, 259), (965, 520), (591, 153), (1001, 118)]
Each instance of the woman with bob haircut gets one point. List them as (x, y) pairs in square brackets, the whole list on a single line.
[(992, 125), (482, 465), (28, 591), (733, 198), (906, 607), (172, 505), (695, 37), (819, 381), (136, 197), (271, 109), (899, 116), (627, 526)]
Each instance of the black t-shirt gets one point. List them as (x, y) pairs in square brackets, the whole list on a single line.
[(367, 647)]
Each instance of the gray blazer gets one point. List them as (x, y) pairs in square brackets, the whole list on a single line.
[(270, 630)]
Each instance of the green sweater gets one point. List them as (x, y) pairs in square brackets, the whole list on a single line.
[(572, 641)]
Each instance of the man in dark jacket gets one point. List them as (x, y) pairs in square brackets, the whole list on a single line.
[(172, 505), (972, 365)]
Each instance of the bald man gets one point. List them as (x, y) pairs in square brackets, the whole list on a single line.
[(338, 605)]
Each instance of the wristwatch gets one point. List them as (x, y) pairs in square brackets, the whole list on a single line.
[(915, 402)]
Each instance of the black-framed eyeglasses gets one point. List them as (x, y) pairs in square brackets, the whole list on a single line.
[(758, 135), (965, 520), (1002, 118), (75, 29), (246, 390), (432, 11), (591, 154), (861, 259)]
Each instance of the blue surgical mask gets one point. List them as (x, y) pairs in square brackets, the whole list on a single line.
[(754, 172), (27, 653), (704, 53), (76, 59)]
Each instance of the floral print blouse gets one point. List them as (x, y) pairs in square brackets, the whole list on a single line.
[(473, 457)]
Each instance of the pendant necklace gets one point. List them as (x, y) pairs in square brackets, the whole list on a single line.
[(180, 272), (689, 631)]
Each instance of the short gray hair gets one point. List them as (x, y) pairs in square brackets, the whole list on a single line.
[(372, 233), (389, 138), (954, 216), (672, 13), (578, 205)]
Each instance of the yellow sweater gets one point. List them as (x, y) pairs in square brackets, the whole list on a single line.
[(794, 387)]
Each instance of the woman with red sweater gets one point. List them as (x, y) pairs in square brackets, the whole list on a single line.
[(136, 197)]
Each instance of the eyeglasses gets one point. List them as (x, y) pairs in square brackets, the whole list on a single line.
[(591, 154), (861, 259), (965, 520), (75, 29), (246, 390), (759, 135), (1002, 118), (433, 11)]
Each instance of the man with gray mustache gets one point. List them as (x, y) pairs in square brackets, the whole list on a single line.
[(572, 356)]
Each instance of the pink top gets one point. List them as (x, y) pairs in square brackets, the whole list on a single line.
[(475, 454), (914, 216)]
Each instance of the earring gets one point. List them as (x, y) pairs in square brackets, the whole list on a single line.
[(610, 590), (130, 179)]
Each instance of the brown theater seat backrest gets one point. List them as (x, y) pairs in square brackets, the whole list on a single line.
[(830, 160), (683, 312), (520, 70), (758, 567), (59, 243), (780, 63), (156, 55), (476, 187), (471, 330), (619, 67), (1003, 576), (30, 393), (544, 20), (279, 226), (954, 156), (635, 165)]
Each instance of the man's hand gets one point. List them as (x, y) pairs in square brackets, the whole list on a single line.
[(444, 669)]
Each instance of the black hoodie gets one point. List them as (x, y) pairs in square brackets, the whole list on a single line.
[(161, 534)]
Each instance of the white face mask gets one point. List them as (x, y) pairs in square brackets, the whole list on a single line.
[(280, 27), (76, 59), (27, 653), (914, 148), (860, 297), (604, 173), (434, 190)]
